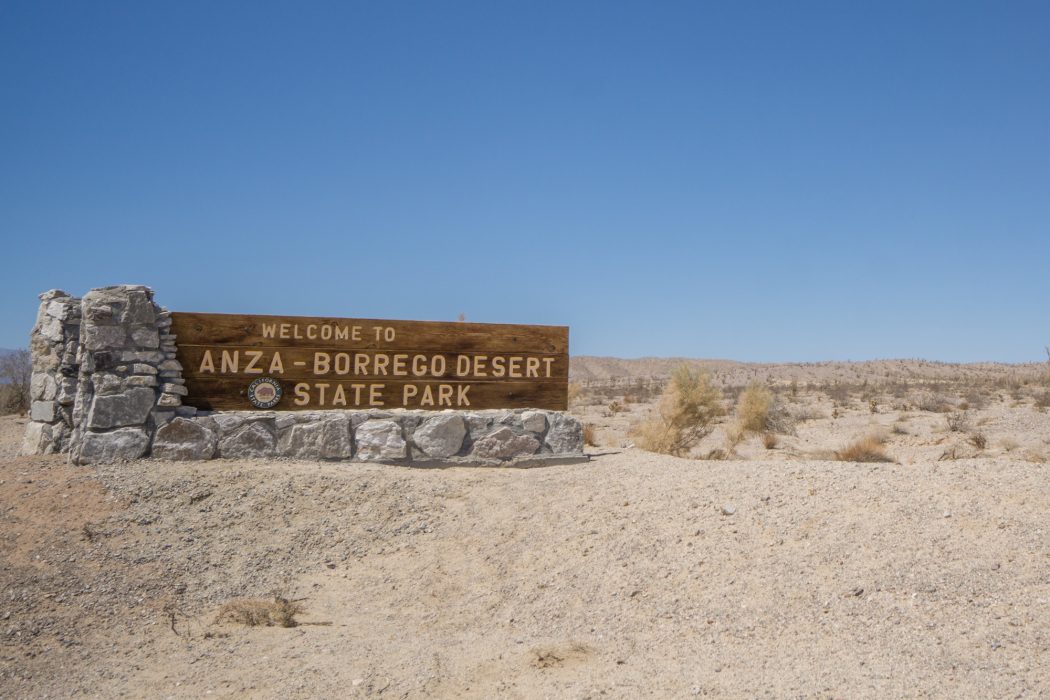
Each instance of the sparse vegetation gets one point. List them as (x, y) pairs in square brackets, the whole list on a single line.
[(957, 421), (589, 435), (16, 370), (979, 440), (259, 612), (769, 441), (866, 449), (752, 410), (683, 415)]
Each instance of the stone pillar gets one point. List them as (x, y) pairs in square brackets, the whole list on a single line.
[(53, 346), (129, 382)]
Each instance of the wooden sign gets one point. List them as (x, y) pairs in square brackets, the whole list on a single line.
[(278, 363)]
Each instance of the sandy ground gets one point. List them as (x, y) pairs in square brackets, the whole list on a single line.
[(633, 575)]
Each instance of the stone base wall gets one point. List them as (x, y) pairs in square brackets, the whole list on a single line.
[(520, 437), (107, 387)]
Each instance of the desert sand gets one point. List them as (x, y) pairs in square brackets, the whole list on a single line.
[(775, 572)]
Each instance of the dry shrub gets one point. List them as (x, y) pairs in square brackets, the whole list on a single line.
[(752, 410), (259, 612), (1042, 400), (769, 441), (1008, 444), (979, 441), (866, 449), (683, 416), (590, 437), (575, 392), (933, 403), (958, 421)]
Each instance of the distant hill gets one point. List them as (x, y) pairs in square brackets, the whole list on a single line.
[(589, 370)]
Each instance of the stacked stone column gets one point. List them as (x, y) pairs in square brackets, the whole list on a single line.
[(53, 344), (129, 380)]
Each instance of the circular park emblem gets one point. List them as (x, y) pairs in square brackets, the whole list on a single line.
[(264, 392)]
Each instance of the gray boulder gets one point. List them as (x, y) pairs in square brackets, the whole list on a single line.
[(42, 411), (256, 439), (326, 438), (113, 446), (534, 421), (42, 386), (37, 439), (380, 440), (130, 408), (440, 436), (565, 435), (505, 444), (183, 438)]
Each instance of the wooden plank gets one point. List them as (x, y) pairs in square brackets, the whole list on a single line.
[(435, 336), (230, 393), (320, 363)]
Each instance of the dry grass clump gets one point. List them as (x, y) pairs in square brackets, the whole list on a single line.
[(590, 437), (979, 440), (259, 612), (769, 441), (866, 449), (683, 416)]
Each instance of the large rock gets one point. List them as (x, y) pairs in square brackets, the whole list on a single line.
[(504, 443), (37, 440), (440, 436), (534, 421), (183, 438), (256, 439), (42, 411), (102, 337), (380, 440), (42, 386), (565, 435), (113, 446), (130, 408), (320, 438)]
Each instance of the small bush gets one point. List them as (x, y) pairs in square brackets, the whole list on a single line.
[(683, 416), (867, 449), (589, 435), (957, 421), (979, 441), (769, 441), (752, 410)]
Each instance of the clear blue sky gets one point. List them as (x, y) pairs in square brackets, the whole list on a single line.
[(773, 181)]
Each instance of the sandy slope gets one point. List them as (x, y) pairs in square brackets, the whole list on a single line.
[(623, 577)]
